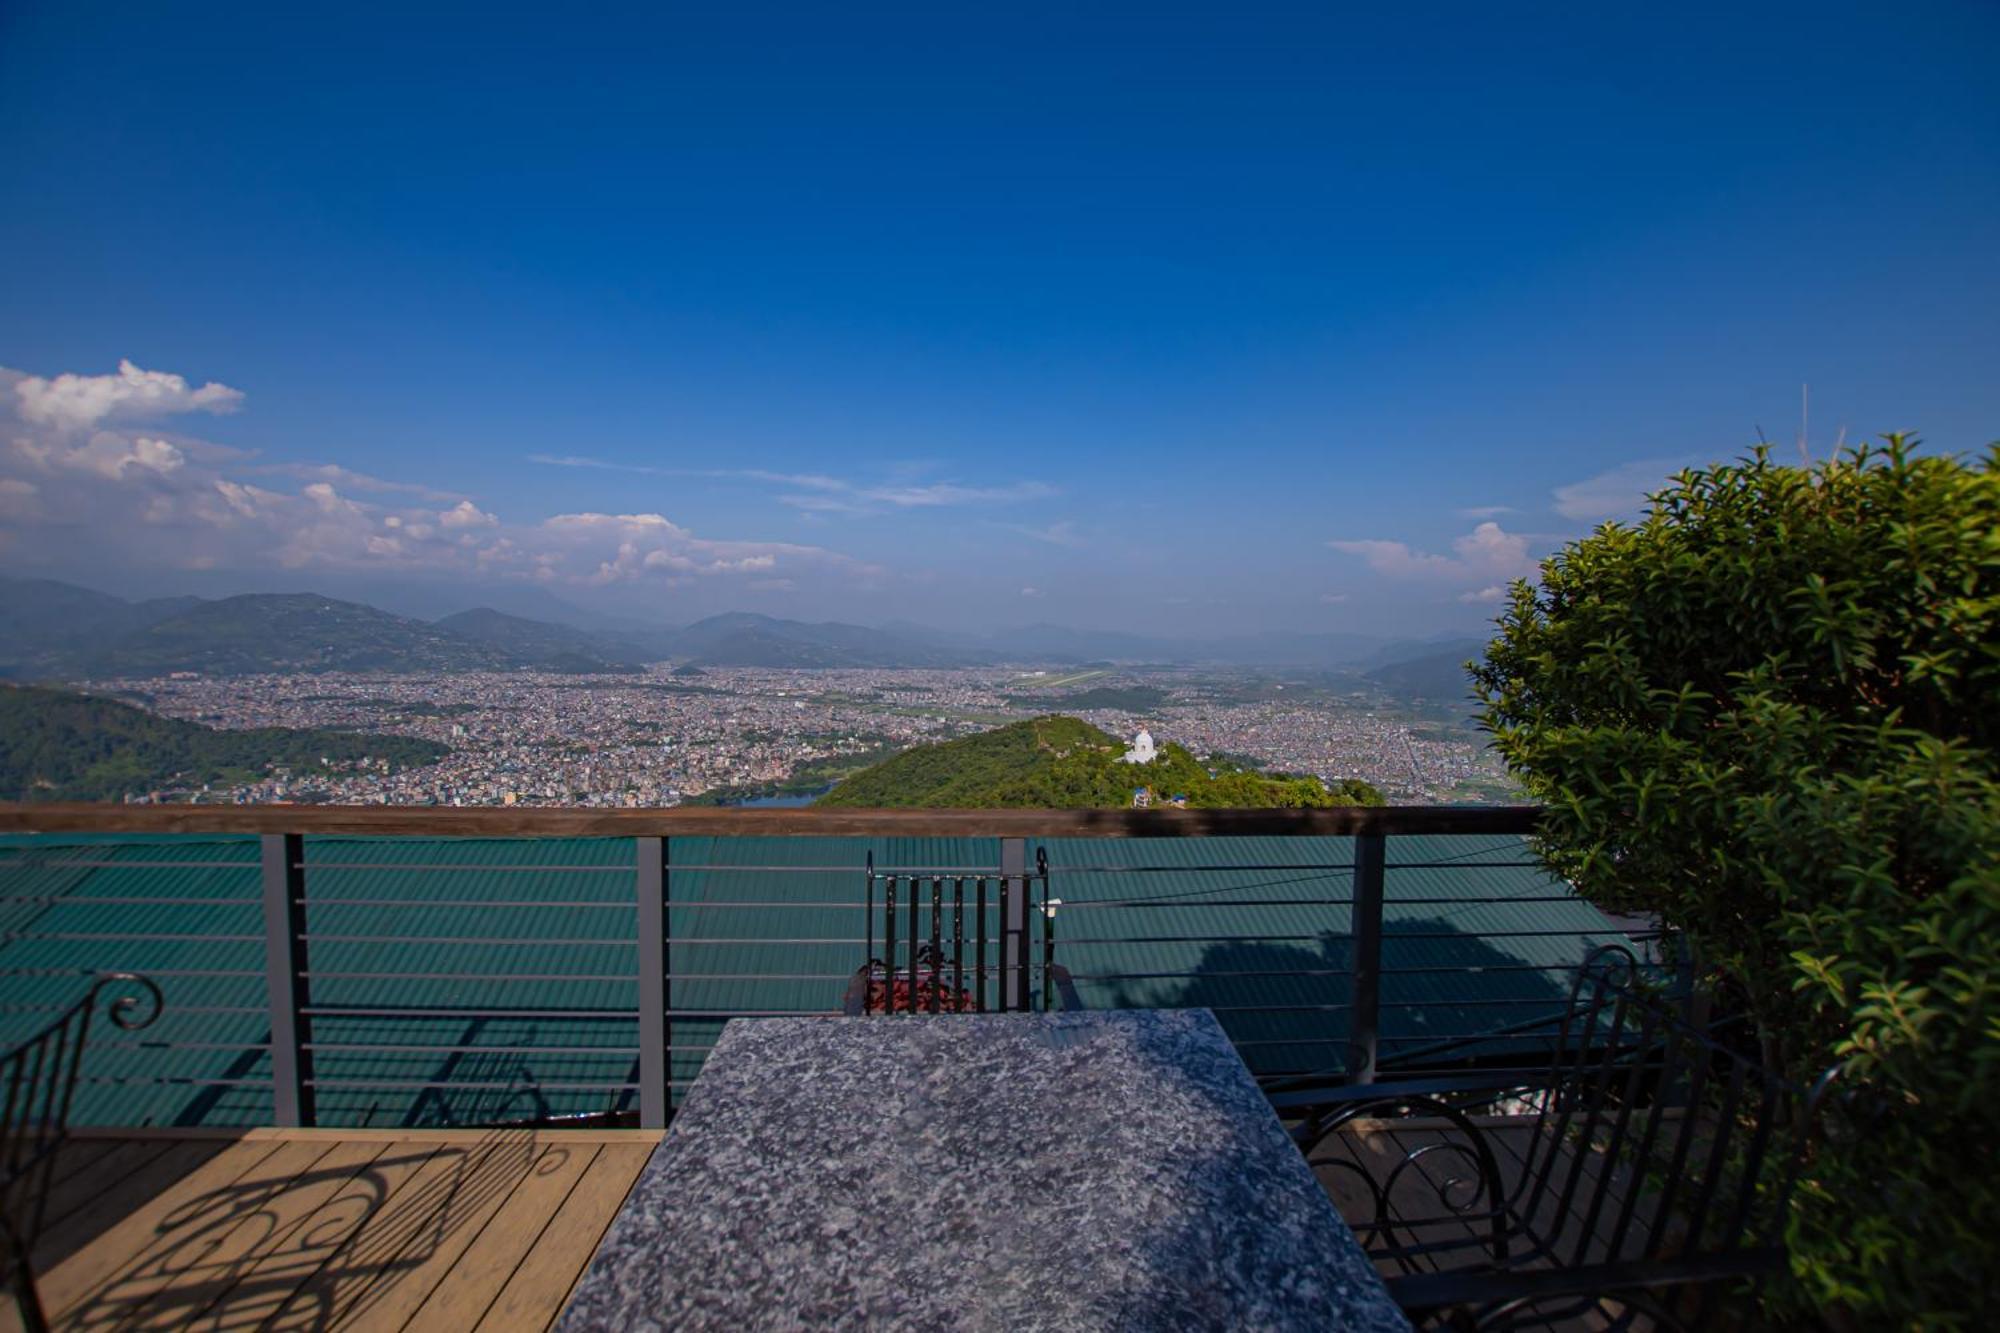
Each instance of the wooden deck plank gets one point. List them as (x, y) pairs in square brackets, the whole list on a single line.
[(1340, 1170), (130, 1241), (345, 1237), (187, 1236), (268, 1231), (109, 1137), (410, 1243), (267, 1273), (248, 1219), (476, 1279), (77, 1153), (540, 1287), (475, 1196), (122, 1197), (463, 1137), (303, 1255), (86, 1186)]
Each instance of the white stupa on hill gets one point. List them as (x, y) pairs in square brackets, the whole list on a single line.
[(1142, 751)]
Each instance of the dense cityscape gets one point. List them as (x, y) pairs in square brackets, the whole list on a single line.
[(663, 738)]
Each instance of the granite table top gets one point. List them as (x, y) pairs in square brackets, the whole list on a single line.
[(1071, 1171)]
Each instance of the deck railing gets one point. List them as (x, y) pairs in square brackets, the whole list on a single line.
[(384, 979)]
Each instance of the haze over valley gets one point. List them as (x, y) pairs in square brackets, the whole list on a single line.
[(735, 708)]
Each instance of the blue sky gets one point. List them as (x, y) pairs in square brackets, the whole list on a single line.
[(1222, 318)]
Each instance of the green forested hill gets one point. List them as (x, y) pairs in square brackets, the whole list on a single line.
[(59, 746), (284, 632), (1438, 677), (1060, 763)]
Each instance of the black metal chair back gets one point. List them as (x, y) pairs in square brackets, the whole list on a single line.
[(1659, 1154), (40, 1077), (926, 967), (1660, 1138)]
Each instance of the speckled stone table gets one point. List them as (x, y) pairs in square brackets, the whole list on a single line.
[(1066, 1171)]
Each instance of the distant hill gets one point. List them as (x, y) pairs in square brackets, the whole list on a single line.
[(1435, 677), (57, 745), (548, 646), (1126, 698), (302, 632), (745, 639), (45, 624), (53, 630), (1060, 643), (1061, 763), (1409, 650)]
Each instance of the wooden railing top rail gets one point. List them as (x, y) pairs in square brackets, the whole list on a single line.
[(563, 822)]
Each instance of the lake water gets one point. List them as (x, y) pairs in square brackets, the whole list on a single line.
[(796, 799)]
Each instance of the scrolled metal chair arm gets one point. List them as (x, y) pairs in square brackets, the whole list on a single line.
[(147, 1004), (1316, 1129)]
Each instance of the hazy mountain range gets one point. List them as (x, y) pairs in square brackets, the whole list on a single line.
[(52, 630)]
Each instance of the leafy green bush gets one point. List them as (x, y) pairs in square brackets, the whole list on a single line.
[(1767, 713)]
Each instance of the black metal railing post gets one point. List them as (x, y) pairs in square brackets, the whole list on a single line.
[(1366, 1010), (1048, 908), (287, 978), (1014, 924), (651, 881)]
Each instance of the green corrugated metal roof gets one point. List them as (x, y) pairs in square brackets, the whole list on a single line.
[(757, 925)]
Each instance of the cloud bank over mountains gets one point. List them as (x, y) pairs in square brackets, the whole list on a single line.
[(96, 474), (90, 474)]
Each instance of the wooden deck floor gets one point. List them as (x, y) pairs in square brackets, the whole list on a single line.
[(324, 1229)]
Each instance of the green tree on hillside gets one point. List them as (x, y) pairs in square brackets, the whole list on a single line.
[(59, 745), (1060, 763)]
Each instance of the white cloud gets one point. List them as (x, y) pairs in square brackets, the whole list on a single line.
[(1486, 511), (104, 454), (1332, 598), (1484, 596), (78, 402), (574, 460), (816, 493), (1485, 554), (1031, 592), (624, 547), (830, 495), (950, 493), (466, 514), (107, 495), (1618, 493)]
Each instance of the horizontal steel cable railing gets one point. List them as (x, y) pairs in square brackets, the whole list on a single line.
[(383, 974)]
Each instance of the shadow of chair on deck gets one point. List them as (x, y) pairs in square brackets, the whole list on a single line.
[(239, 1255)]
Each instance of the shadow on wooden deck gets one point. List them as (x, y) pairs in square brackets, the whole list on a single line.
[(329, 1229)]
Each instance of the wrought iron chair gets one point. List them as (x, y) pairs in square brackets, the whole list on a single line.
[(1656, 1166), (40, 1076), (935, 977)]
